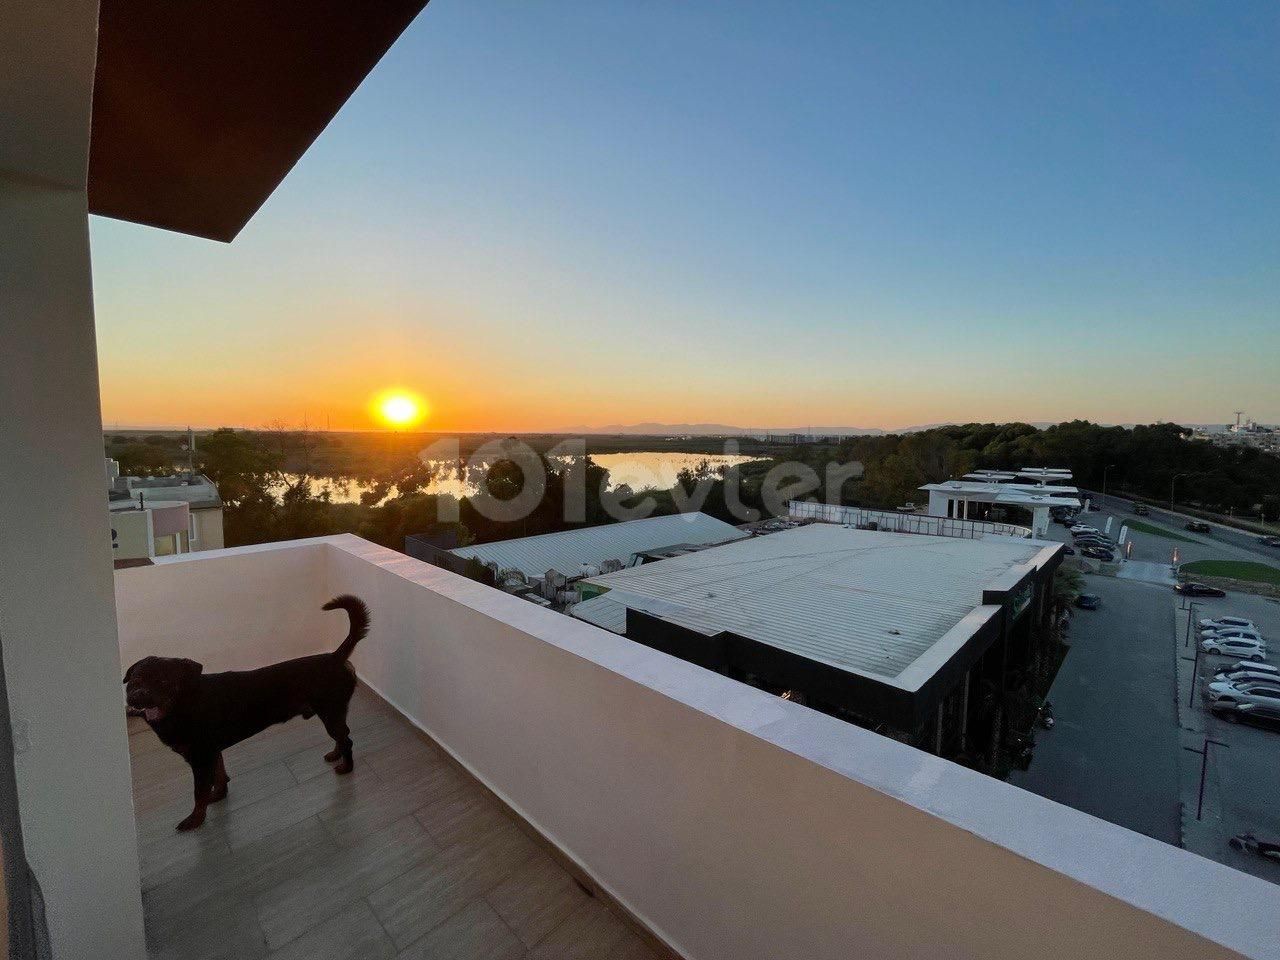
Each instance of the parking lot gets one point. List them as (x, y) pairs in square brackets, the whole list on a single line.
[(1242, 782), (1129, 714)]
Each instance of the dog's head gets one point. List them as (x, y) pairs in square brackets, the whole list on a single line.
[(154, 685)]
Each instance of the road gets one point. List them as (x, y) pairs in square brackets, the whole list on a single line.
[(1227, 543), (1113, 751)]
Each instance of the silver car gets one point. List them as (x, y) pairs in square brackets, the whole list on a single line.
[(1232, 633), (1226, 623), (1235, 647), (1263, 698), (1266, 669)]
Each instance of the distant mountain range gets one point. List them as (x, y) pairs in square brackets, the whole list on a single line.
[(654, 429), (713, 430)]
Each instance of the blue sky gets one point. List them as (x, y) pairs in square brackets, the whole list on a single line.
[(540, 214)]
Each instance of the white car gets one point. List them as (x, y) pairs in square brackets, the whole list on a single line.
[(1081, 529), (1251, 666), (1233, 647), (1245, 675), (1232, 633), (1226, 623), (1262, 694)]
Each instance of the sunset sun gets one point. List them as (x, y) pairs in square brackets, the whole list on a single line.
[(399, 408)]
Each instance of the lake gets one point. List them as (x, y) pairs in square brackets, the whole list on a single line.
[(636, 470)]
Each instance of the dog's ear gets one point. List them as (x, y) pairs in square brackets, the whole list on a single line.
[(128, 673), (190, 669)]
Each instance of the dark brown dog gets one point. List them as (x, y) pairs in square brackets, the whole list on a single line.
[(199, 716)]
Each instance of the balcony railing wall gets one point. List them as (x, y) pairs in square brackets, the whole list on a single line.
[(731, 823)]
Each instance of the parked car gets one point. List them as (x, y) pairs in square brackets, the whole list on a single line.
[(1068, 551), (1235, 647), (1067, 520), (1245, 676), (1264, 694), (1095, 540), (1264, 714), (1088, 601), (1141, 510), (1231, 633), (1251, 667), (1098, 553), (1269, 541), (1192, 589), (1223, 623), (1080, 529), (1199, 526), (1226, 690)]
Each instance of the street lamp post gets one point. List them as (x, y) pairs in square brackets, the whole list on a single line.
[(1104, 482), (1173, 482)]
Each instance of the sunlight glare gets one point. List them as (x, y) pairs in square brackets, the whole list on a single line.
[(399, 408)]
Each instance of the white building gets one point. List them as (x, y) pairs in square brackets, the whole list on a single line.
[(161, 516), (1006, 502)]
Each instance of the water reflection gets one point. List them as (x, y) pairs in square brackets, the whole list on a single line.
[(636, 470)]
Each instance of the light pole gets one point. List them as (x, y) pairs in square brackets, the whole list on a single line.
[(1174, 481), (1104, 481)]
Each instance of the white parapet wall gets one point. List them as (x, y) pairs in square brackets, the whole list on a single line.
[(733, 824), (935, 526)]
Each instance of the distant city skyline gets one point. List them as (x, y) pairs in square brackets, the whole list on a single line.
[(541, 215)]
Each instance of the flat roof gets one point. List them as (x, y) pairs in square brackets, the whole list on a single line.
[(863, 601), (568, 550), (1016, 494)]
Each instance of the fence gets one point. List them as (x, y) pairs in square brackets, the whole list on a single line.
[(903, 522)]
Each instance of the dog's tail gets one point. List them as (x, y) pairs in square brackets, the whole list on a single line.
[(359, 614)]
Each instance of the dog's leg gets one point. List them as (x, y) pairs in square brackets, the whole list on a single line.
[(220, 781), (335, 722), (203, 773)]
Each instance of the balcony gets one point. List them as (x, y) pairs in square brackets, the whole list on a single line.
[(529, 784)]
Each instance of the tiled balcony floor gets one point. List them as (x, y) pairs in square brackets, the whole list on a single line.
[(406, 857)]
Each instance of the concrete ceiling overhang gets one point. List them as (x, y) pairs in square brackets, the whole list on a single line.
[(201, 107)]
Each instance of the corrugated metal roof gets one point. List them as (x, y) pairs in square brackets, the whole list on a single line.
[(603, 611), (568, 550), (855, 599)]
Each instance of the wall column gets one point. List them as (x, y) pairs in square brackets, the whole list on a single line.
[(57, 606)]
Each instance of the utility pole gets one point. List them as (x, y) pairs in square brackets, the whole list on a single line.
[(1204, 764)]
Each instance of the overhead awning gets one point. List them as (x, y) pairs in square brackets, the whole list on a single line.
[(200, 109)]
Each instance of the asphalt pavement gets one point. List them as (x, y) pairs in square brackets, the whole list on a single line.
[(1113, 750)]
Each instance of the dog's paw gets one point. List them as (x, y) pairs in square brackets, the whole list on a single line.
[(191, 822), (220, 793), (346, 766), (332, 756)]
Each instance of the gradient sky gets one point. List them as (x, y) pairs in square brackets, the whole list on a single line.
[(543, 214)]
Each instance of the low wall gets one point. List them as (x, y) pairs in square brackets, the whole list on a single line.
[(733, 824), (904, 522)]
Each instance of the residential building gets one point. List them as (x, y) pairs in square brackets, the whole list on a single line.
[(159, 516)]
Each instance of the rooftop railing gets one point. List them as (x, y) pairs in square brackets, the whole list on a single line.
[(903, 522)]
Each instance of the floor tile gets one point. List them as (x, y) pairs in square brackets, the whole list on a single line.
[(536, 898), (353, 933), (475, 932), (351, 873)]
